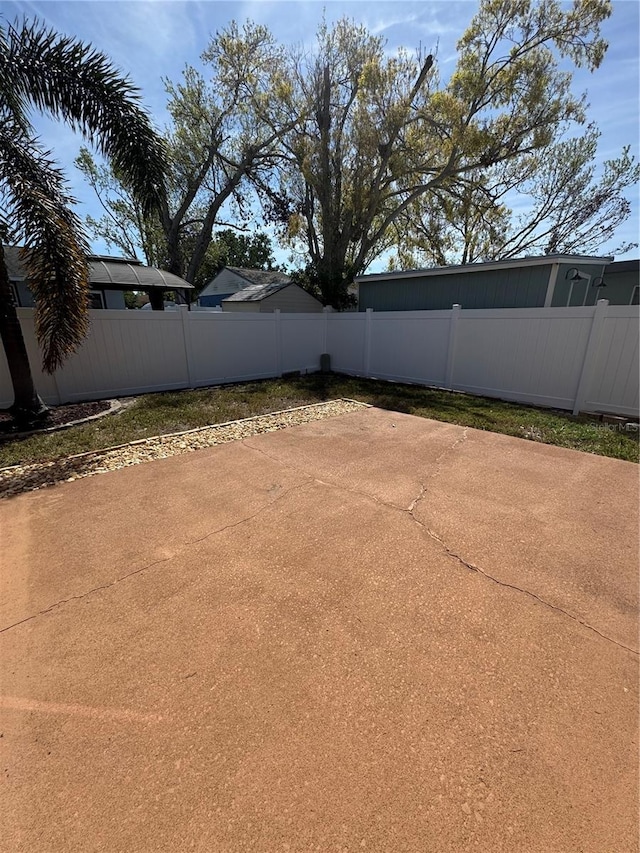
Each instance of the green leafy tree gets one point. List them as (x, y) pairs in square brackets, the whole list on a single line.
[(225, 128), (377, 132), (123, 224), (230, 248), (67, 79), (246, 250), (570, 208), (124, 227), (220, 138)]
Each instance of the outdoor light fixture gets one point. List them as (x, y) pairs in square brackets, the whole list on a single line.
[(598, 282), (576, 277), (574, 274)]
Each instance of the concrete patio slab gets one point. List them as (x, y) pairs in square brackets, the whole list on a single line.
[(372, 632)]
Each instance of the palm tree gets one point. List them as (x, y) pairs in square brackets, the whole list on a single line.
[(63, 77)]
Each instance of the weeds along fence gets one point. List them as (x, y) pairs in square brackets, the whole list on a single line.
[(579, 359)]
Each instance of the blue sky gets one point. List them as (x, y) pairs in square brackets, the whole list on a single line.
[(155, 39)]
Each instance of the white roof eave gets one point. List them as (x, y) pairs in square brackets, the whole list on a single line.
[(514, 263)]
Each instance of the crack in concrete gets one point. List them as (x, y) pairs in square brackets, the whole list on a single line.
[(478, 570), (87, 593), (258, 512), (410, 510), (148, 566), (414, 503), (474, 568), (437, 467), (328, 484)]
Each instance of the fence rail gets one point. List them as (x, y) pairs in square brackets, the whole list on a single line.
[(580, 359)]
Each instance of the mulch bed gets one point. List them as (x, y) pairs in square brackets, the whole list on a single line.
[(61, 415)]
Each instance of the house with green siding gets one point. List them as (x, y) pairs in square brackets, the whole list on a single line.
[(531, 282)]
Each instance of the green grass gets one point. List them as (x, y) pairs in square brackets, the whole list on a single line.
[(155, 414)]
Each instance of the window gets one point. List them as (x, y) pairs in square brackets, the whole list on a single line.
[(96, 299)]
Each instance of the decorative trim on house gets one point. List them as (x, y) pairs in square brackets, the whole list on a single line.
[(485, 266)]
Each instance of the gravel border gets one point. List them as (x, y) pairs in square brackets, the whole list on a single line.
[(26, 478)]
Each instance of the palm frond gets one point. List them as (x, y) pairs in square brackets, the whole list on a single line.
[(71, 80), (13, 104), (38, 199)]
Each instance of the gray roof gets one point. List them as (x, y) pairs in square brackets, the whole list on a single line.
[(261, 276), (507, 263), (257, 292), (624, 266), (14, 266), (109, 273)]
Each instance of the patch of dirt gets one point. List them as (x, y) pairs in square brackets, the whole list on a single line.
[(61, 415)]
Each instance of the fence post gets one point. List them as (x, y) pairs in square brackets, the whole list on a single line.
[(591, 354), (278, 342), (325, 327), (186, 332), (367, 341), (451, 349)]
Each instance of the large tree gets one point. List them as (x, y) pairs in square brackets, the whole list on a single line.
[(219, 138), (380, 132), (124, 227), (227, 119), (69, 80), (570, 206)]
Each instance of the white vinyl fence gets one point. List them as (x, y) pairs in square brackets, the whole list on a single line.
[(581, 359)]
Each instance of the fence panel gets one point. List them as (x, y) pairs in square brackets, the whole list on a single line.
[(585, 357), (126, 352), (532, 355), (614, 383), (228, 347), (46, 383), (301, 341), (410, 346), (346, 342)]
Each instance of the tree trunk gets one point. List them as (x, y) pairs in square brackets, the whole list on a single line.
[(332, 280), (156, 298), (27, 405)]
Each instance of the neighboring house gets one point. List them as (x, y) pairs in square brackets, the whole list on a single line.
[(265, 298), (532, 282), (232, 279), (108, 279), (622, 278)]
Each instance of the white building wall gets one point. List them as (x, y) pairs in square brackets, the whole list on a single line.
[(292, 299)]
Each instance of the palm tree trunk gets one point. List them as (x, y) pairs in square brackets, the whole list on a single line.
[(27, 405)]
